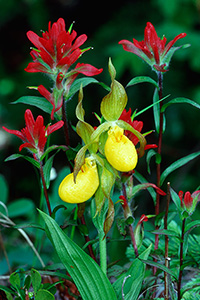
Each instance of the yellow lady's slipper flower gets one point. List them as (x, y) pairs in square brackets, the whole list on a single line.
[(120, 151), (87, 182)]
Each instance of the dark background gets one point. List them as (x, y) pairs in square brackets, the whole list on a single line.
[(105, 23)]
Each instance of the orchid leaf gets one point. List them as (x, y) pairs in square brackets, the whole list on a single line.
[(177, 164), (141, 138), (30, 159), (142, 79), (85, 272), (180, 100), (114, 103)]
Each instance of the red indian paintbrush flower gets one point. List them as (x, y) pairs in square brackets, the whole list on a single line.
[(138, 125), (153, 49), (55, 53), (35, 134), (58, 49), (189, 201)]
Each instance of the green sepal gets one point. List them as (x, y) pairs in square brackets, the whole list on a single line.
[(79, 160), (107, 177), (141, 138), (83, 128), (113, 104)]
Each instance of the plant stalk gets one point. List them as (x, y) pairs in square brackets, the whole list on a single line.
[(158, 168), (166, 276), (103, 252), (65, 127), (181, 260), (130, 226), (45, 188)]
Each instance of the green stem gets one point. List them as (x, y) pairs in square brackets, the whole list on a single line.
[(45, 188), (103, 251), (158, 168), (181, 261)]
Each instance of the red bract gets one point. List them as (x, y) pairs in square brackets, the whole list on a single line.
[(35, 134), (57, 50), (188, 198), (153, 49), (138, 125)]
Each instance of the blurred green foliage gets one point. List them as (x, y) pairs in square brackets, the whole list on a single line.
[(105, 26)]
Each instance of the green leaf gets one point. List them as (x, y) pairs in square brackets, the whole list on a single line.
[(75, 87), (3, 189), (177, 164), (133, 284), (52, 148), (159, 266), (114, 103), (20, 207), (165, 232), (141, 179), (47, 170), (141, 79), (148, 107), (180, 100), (191, 226), (176, 199), (44, 295), (87, 275), (6, 289), (150, 154), (30, 159), (39, 102), (156, 110), (36, 280)]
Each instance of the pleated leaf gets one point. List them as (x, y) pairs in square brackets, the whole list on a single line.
[(91, 282)]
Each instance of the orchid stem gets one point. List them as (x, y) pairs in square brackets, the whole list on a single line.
[(45, 188), (130, 226), (103, 252)]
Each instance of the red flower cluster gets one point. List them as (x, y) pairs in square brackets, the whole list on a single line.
[(56, 51), (35, 134), (188, 199), (153, 49), (138, 125)]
